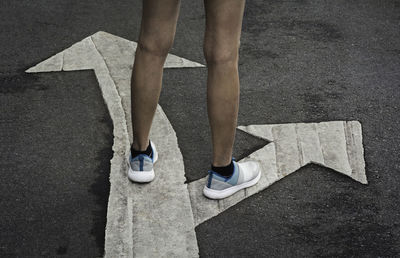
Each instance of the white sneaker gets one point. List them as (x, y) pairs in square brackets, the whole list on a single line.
[(245, 174), (141, 167)]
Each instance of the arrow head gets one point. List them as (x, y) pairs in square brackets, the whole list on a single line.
[(84, 55), (333, 144)]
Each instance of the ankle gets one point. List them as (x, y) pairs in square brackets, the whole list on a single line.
[(139, 146), (221, 162), (225, 171), (148, 150)]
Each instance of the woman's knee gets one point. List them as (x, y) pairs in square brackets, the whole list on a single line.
[(155, 46), (220, 53)]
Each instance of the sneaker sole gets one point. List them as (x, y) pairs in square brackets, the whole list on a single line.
[(143, 176), (220, 194)]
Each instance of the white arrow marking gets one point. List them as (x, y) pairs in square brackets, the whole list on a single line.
[(83, 55), (335, 144), (156, 219), (150, 220)]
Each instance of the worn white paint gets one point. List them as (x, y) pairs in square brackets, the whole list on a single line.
[(292, 146), (152, 220), (158, 219), (80, 56)]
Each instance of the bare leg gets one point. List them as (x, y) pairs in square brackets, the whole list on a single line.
[(157, 34), (221, 50)]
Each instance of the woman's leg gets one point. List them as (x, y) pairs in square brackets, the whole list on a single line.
[(221, 51), (157, 34)]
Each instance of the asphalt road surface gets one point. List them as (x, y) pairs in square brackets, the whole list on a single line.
[(300, 61)]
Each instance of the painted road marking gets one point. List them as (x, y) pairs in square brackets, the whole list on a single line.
[(158, 219), (152, 220), (334, 144)]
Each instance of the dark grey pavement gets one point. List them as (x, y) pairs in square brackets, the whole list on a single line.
[(300, 61), (55, 137)]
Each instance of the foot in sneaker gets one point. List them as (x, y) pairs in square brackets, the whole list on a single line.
[(141, 167), (245, 174)]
